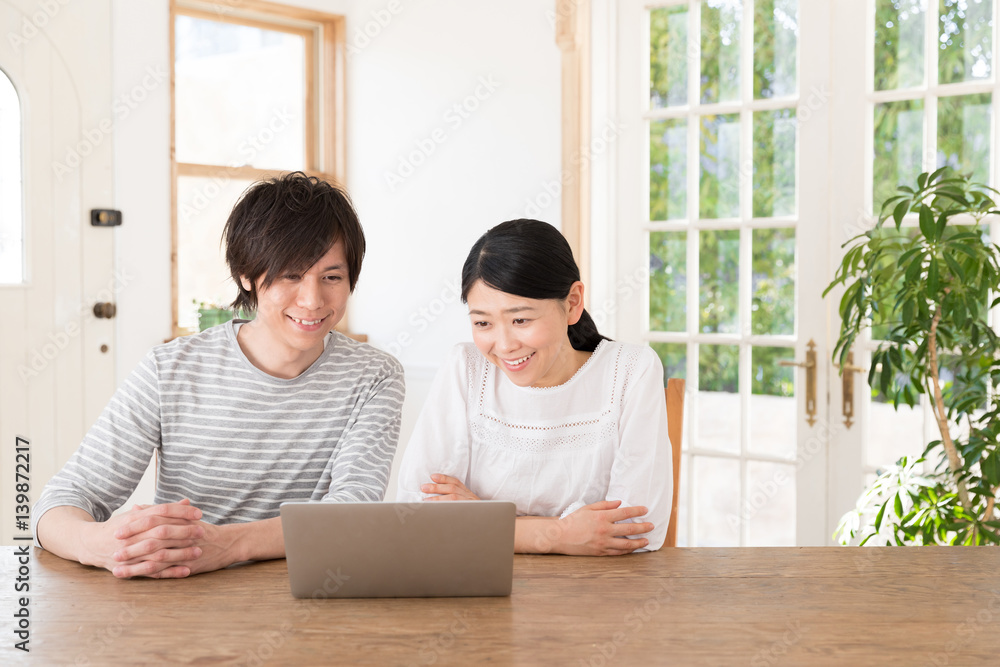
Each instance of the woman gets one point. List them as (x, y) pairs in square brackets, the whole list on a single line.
[(543, 410)]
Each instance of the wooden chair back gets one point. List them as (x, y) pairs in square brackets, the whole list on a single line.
[(674, 394)]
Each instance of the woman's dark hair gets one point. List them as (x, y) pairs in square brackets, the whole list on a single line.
[(286, 224), (530, 259)]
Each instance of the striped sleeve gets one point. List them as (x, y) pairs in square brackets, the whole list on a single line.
[(110, 462), (361, 466)]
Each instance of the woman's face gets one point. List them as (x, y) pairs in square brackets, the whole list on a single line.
[(527, 339)]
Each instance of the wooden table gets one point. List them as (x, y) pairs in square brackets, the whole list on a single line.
[(797, 606)]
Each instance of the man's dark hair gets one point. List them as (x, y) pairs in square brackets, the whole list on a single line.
[(285, 225)]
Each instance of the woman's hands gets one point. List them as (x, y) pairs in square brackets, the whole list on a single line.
[(593, 530), (448, 488)]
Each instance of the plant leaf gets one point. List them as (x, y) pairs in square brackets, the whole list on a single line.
[(878, 517), (902, 208), (927, 226)]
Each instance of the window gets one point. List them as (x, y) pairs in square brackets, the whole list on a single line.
[(256, 93), (930, 104), (11, 207), (722, 251), (709, 191), (767, 133)]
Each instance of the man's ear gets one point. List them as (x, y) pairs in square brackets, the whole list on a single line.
[(574, 301), (246, 283)]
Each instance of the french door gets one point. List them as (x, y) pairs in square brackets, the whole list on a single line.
[(916, 93), (756, 136)]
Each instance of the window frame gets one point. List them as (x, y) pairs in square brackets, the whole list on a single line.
[(621, 78), (325, 147)]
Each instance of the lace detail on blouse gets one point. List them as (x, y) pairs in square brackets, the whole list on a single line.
[(581, 430)]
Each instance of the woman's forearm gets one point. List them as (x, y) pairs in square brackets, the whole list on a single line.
[(537, 535)]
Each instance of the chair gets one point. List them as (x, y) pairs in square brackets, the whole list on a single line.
[(674, 394)]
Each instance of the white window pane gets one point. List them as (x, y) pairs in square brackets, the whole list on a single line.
[(721, 21), (716, 504), (239, 95), (899, 43), (719, 398), (772, 402), (11, 212), (203, 206), (775, 57), (965, 34), (769, 510), (894, 433)]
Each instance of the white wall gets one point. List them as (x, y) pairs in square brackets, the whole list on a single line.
[(410, 62), (403, 86), (428, 179)]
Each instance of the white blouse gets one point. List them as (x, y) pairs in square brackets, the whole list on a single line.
[(601, 435)]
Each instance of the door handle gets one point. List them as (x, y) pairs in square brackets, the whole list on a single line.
[(847, 371), (810, 365), (104, 310)]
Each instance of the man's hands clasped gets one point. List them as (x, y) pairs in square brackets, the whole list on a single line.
[(159, 541)]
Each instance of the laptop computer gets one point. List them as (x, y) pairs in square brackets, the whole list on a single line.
[(461, 548)]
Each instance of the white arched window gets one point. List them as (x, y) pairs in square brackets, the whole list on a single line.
[(11, 215)]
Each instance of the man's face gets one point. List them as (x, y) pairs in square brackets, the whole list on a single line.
[(297, 311)]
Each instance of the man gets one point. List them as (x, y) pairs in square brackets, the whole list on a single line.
[(243, 416)]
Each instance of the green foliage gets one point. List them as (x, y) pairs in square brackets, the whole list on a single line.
[(930, 287), (911, 508), (775, 34), (899, 43), (668, 74), (668, 169), (965, 35)]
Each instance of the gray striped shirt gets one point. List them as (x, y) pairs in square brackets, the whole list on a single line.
[(235, 440)]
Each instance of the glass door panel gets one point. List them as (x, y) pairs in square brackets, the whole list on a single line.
[(927, 103), (721, 139)]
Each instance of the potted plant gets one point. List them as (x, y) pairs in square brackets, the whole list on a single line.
[(211, 314), (927, 292)]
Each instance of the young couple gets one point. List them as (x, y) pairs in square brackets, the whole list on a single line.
[(542, 410)]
